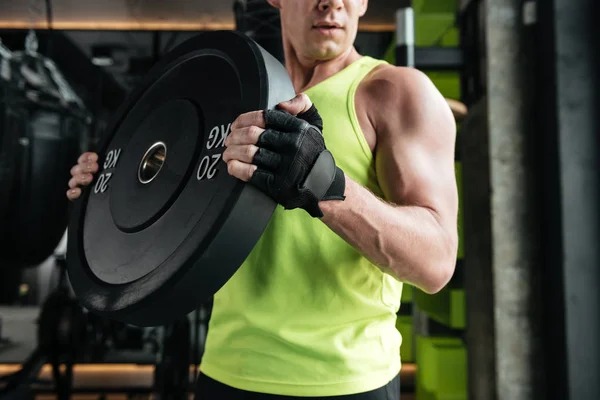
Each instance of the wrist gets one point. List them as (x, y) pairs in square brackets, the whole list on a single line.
[(331, 207)]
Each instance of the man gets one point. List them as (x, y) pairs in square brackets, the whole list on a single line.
[(312, 311)]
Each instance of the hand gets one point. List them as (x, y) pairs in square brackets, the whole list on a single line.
[(82, 174), (283, 153)]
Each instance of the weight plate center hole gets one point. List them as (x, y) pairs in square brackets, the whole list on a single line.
[(152, 162)]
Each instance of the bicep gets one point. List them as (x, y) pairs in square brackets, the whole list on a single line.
[(413, 174), (415, 157)]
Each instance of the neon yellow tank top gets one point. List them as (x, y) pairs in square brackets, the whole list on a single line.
[(306, 314)]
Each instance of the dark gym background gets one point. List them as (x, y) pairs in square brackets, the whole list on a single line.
[(520, 318)]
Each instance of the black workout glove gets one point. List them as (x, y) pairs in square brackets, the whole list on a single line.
[(294, 166)]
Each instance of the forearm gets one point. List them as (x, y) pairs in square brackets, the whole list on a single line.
[(406, 241)]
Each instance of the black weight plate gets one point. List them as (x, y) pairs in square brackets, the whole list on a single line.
[(146, 253)]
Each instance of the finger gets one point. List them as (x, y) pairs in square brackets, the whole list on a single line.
[(243, 153), (253, 118), (91, 168), (246, 135), (84, 168), (299, 104), (284, 122), (73, 182), (264, 180), (302, 107), (276, 141), (267, 159), (77, 170), (313, 117), (80, 179), (87, 157), (240, 170), (73, 194)]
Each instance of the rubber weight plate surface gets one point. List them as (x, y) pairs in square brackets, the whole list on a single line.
[(164, 226)]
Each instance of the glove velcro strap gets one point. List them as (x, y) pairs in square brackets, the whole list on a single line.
[(338, 187), (325, 180)]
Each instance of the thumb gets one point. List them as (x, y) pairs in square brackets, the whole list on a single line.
[(299, 104)]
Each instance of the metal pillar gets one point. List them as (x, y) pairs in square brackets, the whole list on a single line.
[(501, 221), (405, 37), (473, 143), (569, 136), (515, 234)]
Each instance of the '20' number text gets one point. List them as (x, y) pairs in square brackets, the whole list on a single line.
[(110, 162), (208, 167)]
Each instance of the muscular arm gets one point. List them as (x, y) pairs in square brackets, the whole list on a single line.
[(412, 233)]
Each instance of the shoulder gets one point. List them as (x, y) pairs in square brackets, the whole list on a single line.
[(403, 98)]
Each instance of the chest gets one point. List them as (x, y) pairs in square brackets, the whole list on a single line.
[(345, 112)]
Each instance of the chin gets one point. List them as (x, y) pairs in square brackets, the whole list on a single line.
[(323, 54)]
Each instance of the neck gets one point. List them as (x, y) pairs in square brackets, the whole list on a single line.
[(307, 73)]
